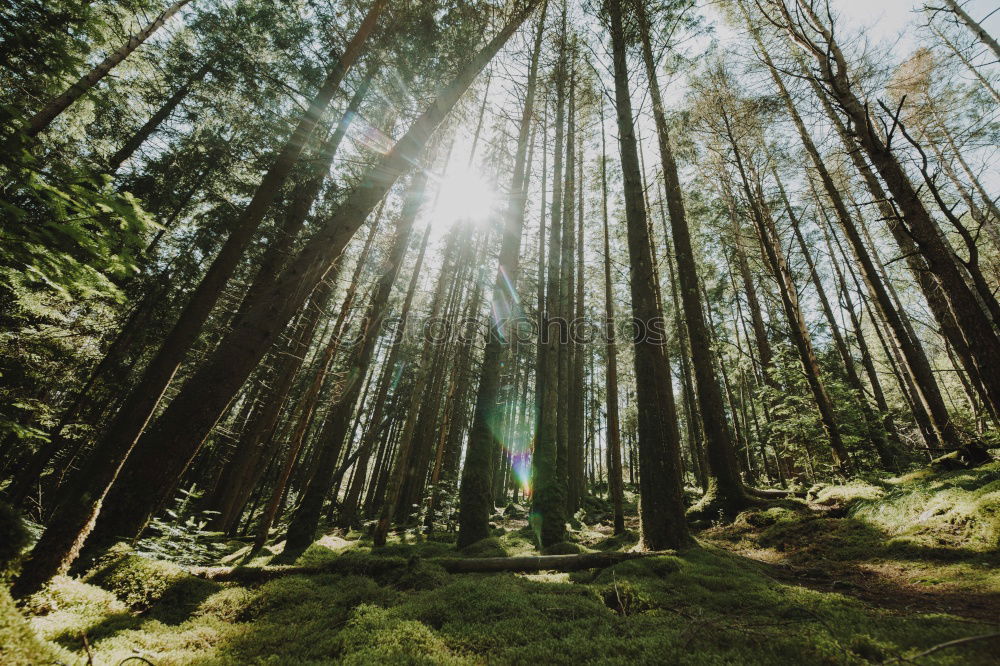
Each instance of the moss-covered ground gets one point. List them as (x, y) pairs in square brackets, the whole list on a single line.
[(794, 584)]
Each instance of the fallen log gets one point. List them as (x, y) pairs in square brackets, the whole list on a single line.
[(531, 563), (377, 565)]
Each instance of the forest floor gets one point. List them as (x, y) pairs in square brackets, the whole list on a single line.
[(890, 571)]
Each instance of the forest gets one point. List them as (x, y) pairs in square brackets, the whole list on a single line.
[(499, 331)]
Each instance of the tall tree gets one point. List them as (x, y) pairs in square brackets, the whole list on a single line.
[(191, 415), (475, 501), (41, 120), (662, 508), (725, 489)]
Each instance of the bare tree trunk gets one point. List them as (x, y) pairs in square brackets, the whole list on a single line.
[(150, 126), (983, 81), (577, 475), (773, 251), (662, 507), (549, 498), (725, 486), (974, 323), (567, 290), (306, 517), (873, 426), (977, 30)]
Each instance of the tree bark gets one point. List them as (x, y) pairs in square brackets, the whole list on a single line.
[(725, 486), (474, 500), (971, 24), (549, 495), (191, 415), (661, 504)]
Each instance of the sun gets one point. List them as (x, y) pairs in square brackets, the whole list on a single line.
[(465, 196)]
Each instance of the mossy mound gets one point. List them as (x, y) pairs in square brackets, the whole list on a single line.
[(705, 606), (563, 548), (807, 538), (139, 582), (959, 509), (846, 493), (421, 575), (375, 636), (488, 547), (647, 567), (19, 645)]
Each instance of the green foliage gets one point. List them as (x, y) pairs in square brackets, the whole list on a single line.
[(74, 236), (445, 515), (181, 537), (14, 538)]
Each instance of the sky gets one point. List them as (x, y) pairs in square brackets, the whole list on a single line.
[(891, 20), (885, 20)]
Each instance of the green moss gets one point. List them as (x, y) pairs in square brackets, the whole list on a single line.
[(625, 598), (621, 541), (845, 494), (488, 547), (563, 548), (140, 582), (421, 575), (647, 567), (958, 509), (520, 542), (65, 609), (375, 636), (705, 607), (228, 604), (806, 538), (19, 646)]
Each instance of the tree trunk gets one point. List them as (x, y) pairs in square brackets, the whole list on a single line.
[(191, 415), (306, 518), (549, 495), (973, 322), (977, 30), (474, 500), (874, 428), (143, 133), (725, 486), (661, 507), (773, 251)]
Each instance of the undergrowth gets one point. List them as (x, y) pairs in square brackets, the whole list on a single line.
[(708, 606)]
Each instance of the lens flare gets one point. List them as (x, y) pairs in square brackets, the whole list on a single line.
[(516, 442)]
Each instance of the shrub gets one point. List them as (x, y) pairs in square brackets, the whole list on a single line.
[(14, 538)]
